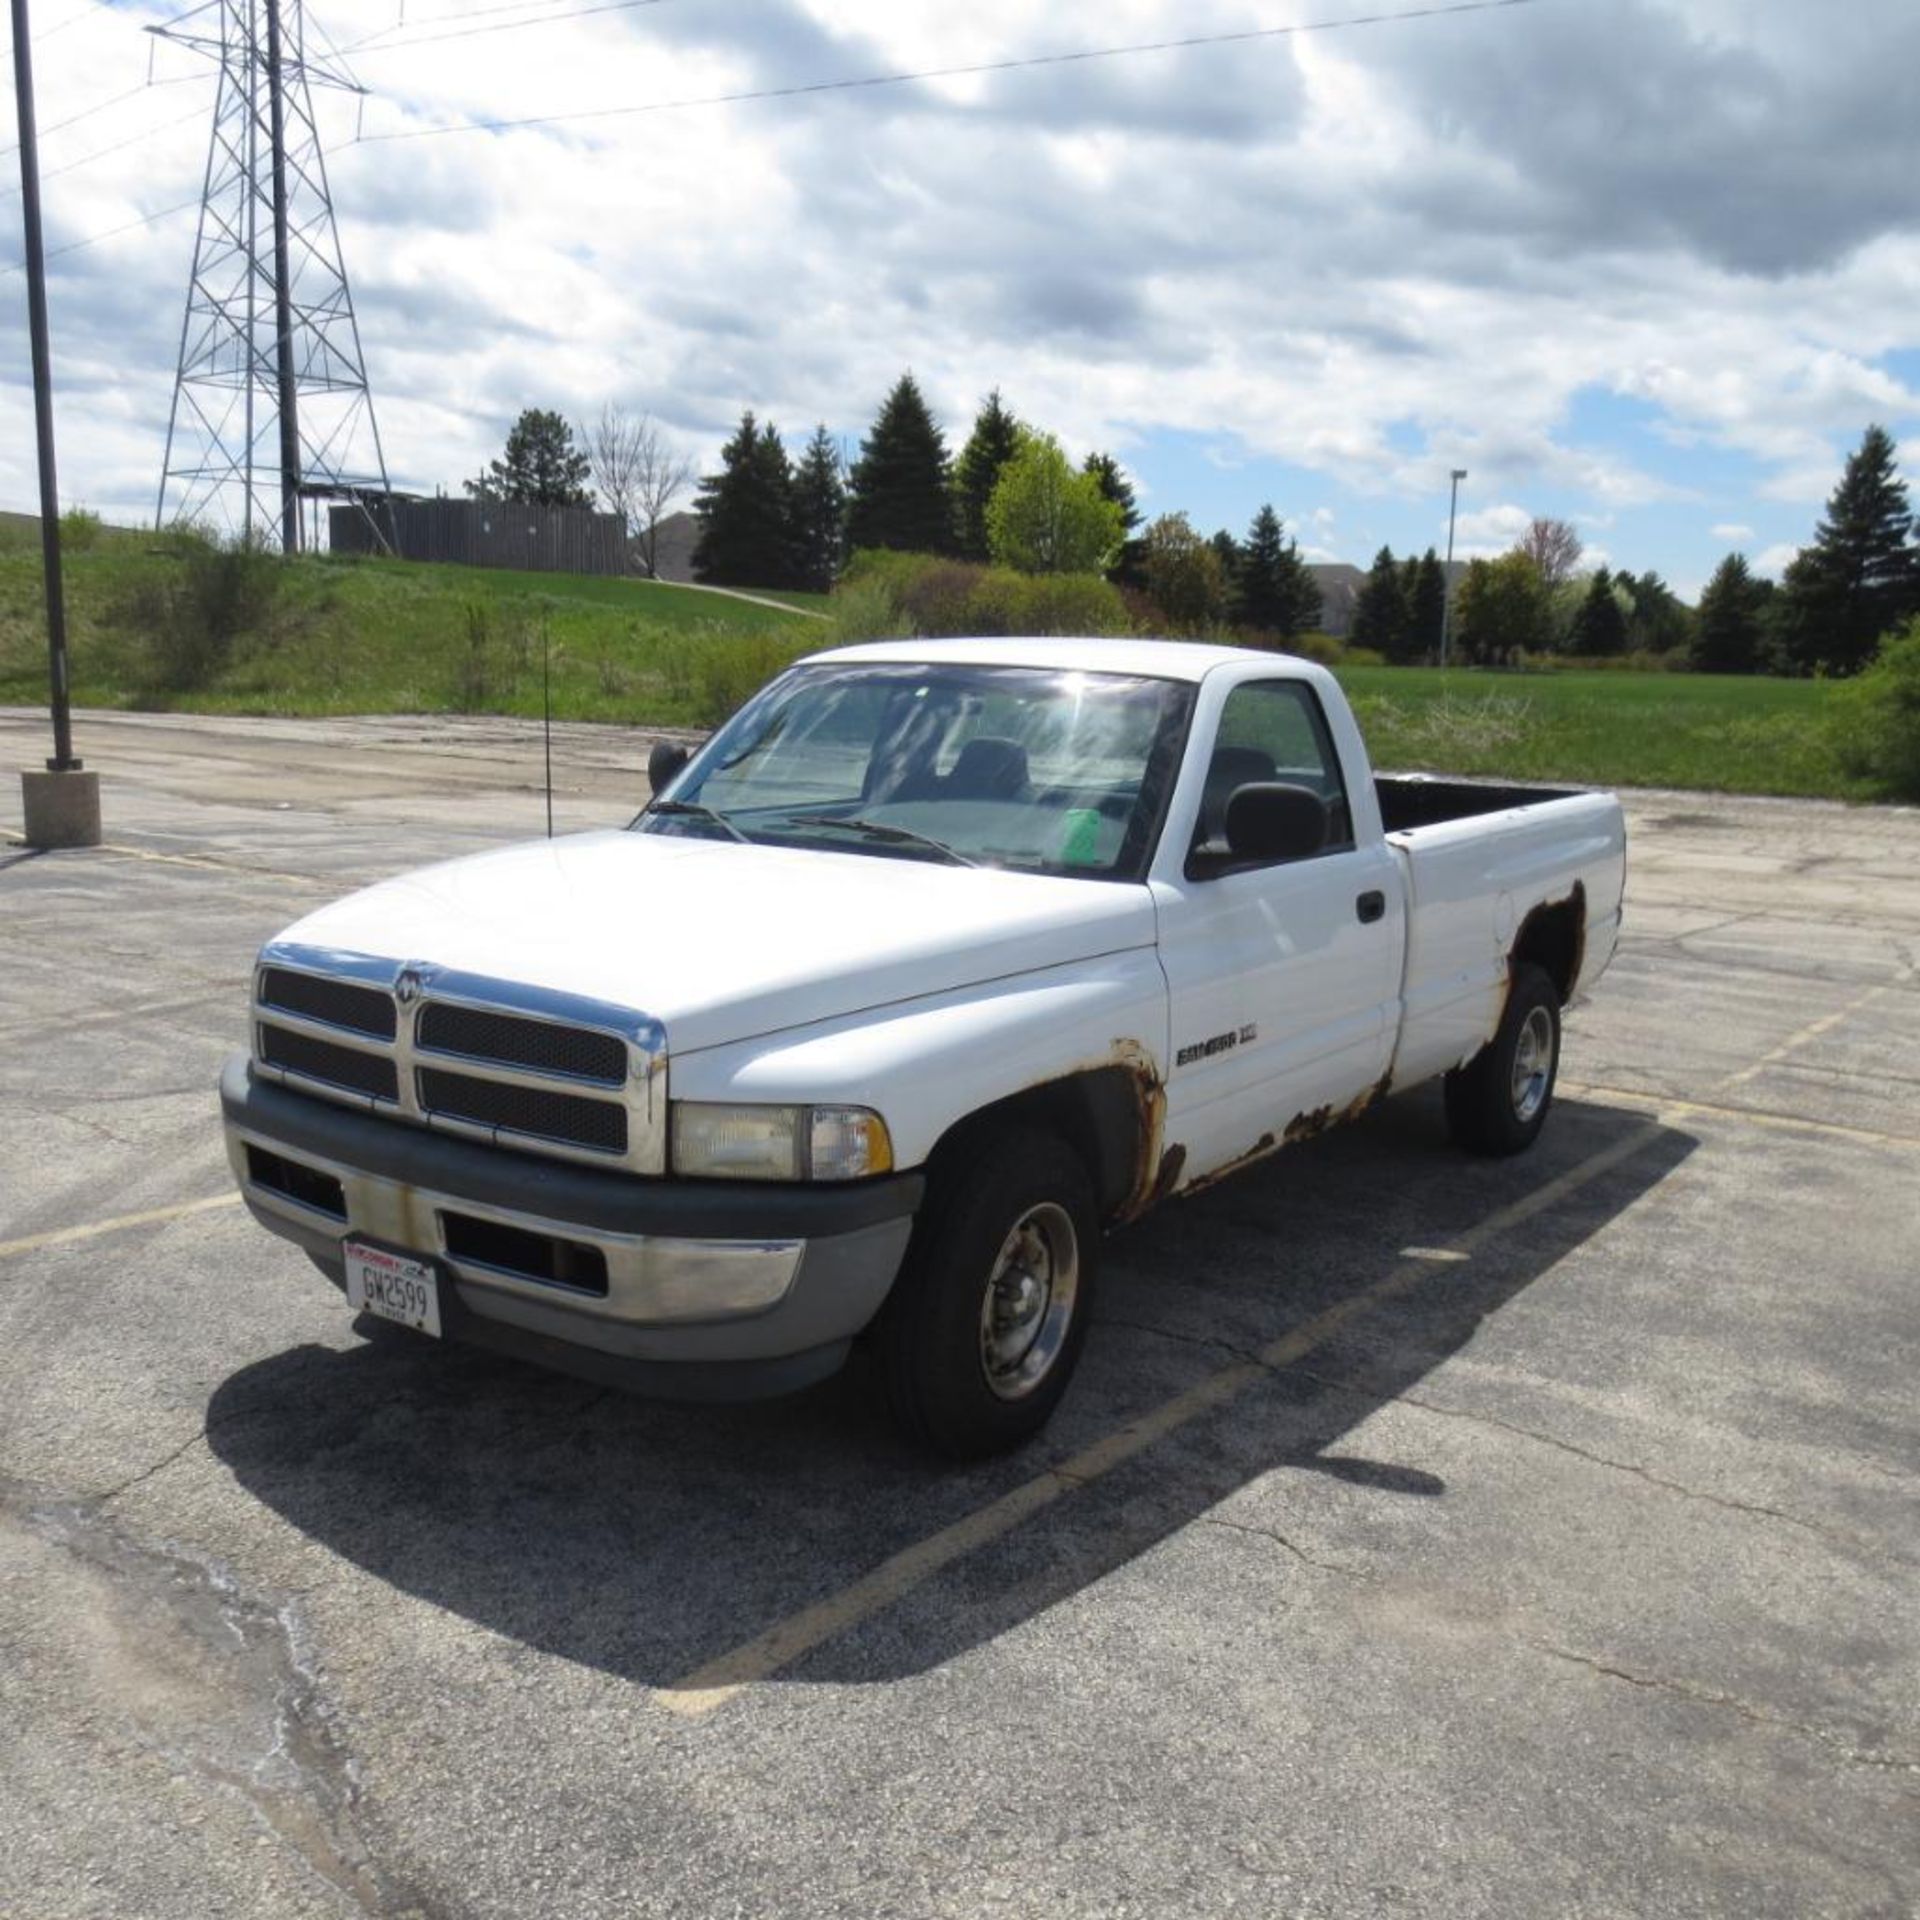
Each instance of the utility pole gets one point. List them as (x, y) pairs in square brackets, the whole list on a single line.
[(63, 803), (1446, 605), (282, 295)]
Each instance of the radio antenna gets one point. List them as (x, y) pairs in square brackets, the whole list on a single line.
[(546, 713)]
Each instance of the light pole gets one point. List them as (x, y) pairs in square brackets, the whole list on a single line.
[(1446, 604), (62, 805)]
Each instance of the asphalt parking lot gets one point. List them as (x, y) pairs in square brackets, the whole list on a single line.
[(1421, 1537)]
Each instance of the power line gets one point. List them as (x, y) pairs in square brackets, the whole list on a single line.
[(527, 7), (102, 106), (119, 146), (367, 52), (1081, 56), (970, 69), (112, 233)]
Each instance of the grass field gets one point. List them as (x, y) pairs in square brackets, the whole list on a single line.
[(382, 637), (1728, 733)]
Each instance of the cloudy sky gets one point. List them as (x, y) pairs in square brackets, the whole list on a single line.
[(1652, 265)]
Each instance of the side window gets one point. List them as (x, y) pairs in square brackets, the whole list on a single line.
[(1274, 730)]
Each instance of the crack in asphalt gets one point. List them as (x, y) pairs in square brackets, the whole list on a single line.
[(1727, 1502), (1274, 1535), (1729, 1702), (275, 1742)]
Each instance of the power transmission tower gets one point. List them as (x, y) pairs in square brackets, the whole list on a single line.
[(271, 406)]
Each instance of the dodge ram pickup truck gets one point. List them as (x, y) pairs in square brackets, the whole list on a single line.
[(935, 962)]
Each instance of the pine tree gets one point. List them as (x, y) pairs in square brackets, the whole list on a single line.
[(1728, 636), (746, 512), (899, 496), (1599, 627), (1227, 549), (994, 441), (1861, 576), (1380, 609), (1659, 621), (1129, 564), (1427, 615), (540, 467), (1277, 594), (819, 533)]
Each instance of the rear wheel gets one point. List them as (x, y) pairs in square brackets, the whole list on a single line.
[(982, 1331), (1497, 1103)]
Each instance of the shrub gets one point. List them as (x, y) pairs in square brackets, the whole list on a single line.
[(1877, 718), (188, 612), (79, 529), (883, 595)]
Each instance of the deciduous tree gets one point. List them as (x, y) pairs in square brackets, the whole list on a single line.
[(1184, 577), (639, 474), (1555, 549), (1500, 610), (1046, 518)]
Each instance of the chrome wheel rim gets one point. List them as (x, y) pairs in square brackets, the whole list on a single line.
[(1028, 1304), (1532, 1064)]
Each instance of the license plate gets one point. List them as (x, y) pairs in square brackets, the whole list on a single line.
[(392, 1286)]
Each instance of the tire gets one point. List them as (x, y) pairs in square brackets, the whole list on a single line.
[(1498, 1102), (984, 1327)]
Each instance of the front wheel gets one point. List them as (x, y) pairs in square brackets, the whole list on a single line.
[(984, 1327), (1497, 1103)]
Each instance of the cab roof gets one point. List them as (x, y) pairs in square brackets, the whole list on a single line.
[(1152, 659)]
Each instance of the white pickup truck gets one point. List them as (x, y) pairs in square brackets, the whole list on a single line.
[(938, 960)]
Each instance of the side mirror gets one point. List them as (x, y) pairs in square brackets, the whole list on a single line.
[(664, 763), (1271, 820)]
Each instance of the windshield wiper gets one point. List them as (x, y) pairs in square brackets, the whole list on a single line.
[(692, 810), (881, 830)]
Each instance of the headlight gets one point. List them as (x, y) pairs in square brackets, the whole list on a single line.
[(712, 1142)]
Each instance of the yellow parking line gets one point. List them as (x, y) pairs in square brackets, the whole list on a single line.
[(200, 860), (66, 1236), (1812, 1031), (714, 1684)]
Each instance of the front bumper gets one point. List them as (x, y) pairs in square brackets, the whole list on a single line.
[(706, 1289)]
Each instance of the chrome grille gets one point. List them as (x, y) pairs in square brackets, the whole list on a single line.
[(542, 1072), (372, 1074), (335, 1003), (600, 1126), (539, 1046)]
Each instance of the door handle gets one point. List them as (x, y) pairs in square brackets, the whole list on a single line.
[(1371, 907)]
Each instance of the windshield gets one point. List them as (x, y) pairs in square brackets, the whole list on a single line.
[(1022, 767)]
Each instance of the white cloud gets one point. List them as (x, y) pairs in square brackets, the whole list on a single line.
[(1771, 562), (1373, 255), (1732, 531)]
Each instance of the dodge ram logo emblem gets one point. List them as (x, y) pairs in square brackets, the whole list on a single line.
[(407, 988)]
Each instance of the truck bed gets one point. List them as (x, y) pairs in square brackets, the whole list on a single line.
[(1422, 800)]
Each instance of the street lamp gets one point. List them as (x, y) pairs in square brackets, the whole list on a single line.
[(1446, 605)]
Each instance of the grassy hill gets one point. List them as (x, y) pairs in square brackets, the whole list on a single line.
[(336, 636)]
